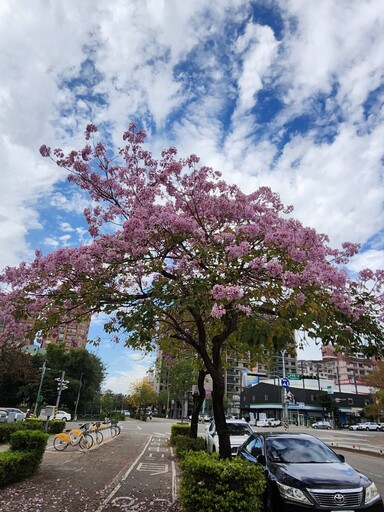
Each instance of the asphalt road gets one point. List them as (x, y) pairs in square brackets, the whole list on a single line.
[(136, 471)]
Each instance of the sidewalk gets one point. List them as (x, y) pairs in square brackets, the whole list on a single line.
[(134, 471)]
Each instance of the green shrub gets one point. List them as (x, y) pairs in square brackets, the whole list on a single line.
[(34, 424), (115, 415), (55, 426), (185, 444), (6, 429), (16, 466), (215, 485), (179, 429), (24, 457), (29, 441)]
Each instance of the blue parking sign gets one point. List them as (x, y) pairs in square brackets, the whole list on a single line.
[(285, 382)]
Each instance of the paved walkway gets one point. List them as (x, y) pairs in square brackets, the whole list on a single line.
[(134, 472)]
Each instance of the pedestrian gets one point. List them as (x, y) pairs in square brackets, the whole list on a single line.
[(28, 414)]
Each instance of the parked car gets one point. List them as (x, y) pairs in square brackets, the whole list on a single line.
[(304, 474), (60, 415), (268, 422), (381, 425), (14, 414), (322, 424), (368, 425), (3, 416), (239, 431), (354, 427)]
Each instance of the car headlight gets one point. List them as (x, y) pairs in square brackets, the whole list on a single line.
[(371, 493), (293, 494)]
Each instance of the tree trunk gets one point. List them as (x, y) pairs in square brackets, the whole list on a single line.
[(198, 400), (218, 393)]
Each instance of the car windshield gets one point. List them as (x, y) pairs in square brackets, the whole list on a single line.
[(238, 429), (291, 450)]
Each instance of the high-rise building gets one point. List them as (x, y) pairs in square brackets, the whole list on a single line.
[(71, 335)]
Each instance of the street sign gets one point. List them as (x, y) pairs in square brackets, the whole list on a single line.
[(285, 382), (294, 376)]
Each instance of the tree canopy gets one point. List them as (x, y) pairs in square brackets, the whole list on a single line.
[(178, 252)]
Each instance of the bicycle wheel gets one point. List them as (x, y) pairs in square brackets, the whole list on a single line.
[(59, 444), (113, 431), (86, 442), (99, 437), (118, 429)]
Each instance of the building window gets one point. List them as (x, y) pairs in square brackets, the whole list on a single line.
[(350, 401)]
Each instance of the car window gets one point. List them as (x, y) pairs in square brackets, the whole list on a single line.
[(290, 450), (254, 446), (239, 429)]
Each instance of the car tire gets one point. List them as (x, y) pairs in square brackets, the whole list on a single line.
[(367, 429), (64, 419)]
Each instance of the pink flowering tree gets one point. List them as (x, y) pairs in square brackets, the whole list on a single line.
[(177, 252)]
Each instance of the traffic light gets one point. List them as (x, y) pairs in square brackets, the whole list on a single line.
[(311, 376)]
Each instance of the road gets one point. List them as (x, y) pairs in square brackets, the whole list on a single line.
[(137, 472)]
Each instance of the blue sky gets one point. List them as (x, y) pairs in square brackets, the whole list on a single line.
[(285, 93)]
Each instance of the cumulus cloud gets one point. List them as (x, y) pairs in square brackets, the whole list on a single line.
[(287, 94)]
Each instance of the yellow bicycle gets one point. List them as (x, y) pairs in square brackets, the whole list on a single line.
[(77, 436)]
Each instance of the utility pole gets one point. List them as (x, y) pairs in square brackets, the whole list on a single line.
[(78, 398), (62, 384), (43, 370)]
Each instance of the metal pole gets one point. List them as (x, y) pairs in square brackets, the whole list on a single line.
[(78, 398), (285, 399), (61, 382), (44, 367)]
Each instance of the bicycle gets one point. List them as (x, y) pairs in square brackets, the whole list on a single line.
[(73, 437), (95, 428)]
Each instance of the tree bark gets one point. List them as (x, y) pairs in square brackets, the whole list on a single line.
[(218, 393), (198, 400)]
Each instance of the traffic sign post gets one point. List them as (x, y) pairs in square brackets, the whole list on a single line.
[(285, 382)]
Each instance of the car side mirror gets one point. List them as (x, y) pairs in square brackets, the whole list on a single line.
[(341, 457), (260, 459)]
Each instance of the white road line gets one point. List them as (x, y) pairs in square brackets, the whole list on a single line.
[(114, 491)]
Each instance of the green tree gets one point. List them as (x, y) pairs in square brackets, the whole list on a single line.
[(376, 380), (142, 395), (77, 364), (193, 258), (17, 373)]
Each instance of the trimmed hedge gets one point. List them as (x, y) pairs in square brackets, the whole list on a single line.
[(220, 485), (6, 429), (29, 441), (185, 444), (179, 429), (24, 457)]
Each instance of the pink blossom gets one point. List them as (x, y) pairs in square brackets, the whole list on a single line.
[(230, 293), (217, 311)]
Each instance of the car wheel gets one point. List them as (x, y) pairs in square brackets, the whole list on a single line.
[(64, 419), (367, 429), (328, 428)]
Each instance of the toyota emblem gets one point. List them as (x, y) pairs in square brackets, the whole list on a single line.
[(339, 499)]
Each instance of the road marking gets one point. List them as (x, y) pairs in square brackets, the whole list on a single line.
[(150, 466), (114, 491)]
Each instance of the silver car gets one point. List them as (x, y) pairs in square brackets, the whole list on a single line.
[(368, 425)]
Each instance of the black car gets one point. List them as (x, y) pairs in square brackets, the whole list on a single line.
[(304, 474)]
